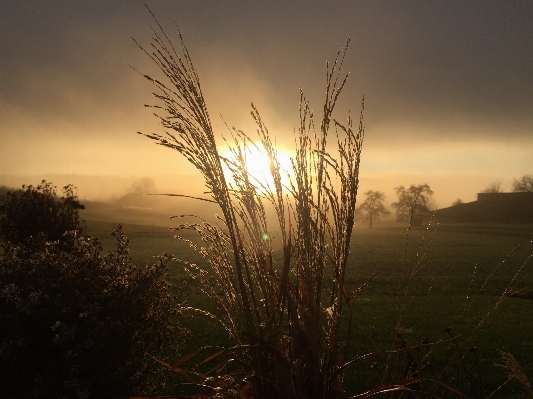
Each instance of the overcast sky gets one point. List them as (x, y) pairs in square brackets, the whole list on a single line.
[(448, 86)]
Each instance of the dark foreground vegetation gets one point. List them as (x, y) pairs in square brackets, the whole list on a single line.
[(76, 322)]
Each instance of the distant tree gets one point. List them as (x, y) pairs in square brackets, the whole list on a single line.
[(494, 187), (524, 185), (144, 186), (372, 209), (37, 212), (458, 201), (412, 201)]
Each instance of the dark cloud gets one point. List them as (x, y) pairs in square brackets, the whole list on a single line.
[(431, 72)]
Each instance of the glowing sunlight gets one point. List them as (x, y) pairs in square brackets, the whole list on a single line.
[(258, 165)]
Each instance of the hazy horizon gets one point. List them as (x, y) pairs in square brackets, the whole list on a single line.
[(447, 86), (447, 188)]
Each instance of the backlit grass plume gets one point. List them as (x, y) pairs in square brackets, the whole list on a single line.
[(283, 313)]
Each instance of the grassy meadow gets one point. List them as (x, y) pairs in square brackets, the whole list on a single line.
[(449, 278)]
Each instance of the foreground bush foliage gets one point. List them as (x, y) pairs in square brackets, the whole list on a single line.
[(34, 212), (75, 323), (81, 324)]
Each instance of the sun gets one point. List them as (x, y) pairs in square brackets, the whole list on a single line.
[(258, 165)]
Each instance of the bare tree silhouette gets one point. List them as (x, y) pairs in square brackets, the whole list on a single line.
[(412, 201), (372, 209), (524, 185)]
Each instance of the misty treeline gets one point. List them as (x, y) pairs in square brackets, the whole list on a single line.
[(414, 203), (144, 185), (522, 185)]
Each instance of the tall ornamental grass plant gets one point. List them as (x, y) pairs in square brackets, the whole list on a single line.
[(284, 317)]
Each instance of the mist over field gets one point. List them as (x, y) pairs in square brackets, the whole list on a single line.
[(446, 86), (447, 187)]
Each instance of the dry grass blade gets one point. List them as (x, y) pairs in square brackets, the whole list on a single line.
[(397, 386), (515, 371)]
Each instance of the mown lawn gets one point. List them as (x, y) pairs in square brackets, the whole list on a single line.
[(441, 302)]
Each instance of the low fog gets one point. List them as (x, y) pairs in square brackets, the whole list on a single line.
[(447, 187), (447, 88)]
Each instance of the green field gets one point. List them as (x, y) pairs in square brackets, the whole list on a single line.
[(454, 262)]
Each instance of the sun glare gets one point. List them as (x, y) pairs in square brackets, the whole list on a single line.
[(258, 165)]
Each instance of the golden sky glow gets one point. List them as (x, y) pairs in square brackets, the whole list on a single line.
[(257, 164), (447, 86)]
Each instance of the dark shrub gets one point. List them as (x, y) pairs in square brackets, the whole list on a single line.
[(79, 324), (36, 215)]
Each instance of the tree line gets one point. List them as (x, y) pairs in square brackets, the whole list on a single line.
[(414, 202)]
